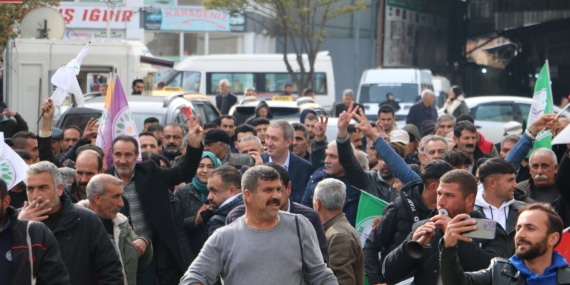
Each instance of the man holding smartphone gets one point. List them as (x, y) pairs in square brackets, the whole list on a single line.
[(539, 230), (456, 194)]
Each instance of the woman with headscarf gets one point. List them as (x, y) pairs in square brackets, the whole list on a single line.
[(194, 199)]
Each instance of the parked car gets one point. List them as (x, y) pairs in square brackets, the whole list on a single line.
[(492, 112), (167, 109), (279, 106)]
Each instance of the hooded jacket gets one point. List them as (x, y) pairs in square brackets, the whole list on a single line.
[(261, 104), (506, 216), (47, 266), (123, 236), (304, 114)]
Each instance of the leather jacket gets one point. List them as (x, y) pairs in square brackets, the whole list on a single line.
[(500, 271)]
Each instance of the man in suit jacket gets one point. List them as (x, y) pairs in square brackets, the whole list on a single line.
[(152, 208), (225, 100), (278, 139), (347, 98)]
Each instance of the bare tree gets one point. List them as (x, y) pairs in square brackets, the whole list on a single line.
[(296, 24)]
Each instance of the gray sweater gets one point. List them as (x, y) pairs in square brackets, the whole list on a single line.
[(242, 255)]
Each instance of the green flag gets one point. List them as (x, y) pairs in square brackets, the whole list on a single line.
[(369, 208), (541, 104)]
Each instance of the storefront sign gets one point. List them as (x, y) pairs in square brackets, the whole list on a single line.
[(195, 19), (97, 17), (87, 35)]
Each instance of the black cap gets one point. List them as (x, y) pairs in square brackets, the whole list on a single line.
[(217, 135), (56, 134)]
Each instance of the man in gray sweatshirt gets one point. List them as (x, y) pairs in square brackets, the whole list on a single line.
[(265, 246)]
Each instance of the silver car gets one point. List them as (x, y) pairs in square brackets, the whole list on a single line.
[(492, 112)]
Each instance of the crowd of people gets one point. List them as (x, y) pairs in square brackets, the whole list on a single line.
[(273, 202)]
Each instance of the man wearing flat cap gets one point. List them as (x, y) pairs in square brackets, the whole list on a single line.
[(218, 142)]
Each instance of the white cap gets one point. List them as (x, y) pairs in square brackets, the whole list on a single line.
[(399, 136), (513, 128)]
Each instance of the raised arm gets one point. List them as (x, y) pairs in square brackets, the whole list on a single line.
[(187, 168), (352, 168), (398, 166)]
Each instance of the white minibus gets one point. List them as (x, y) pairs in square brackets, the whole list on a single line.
[(266, 73)]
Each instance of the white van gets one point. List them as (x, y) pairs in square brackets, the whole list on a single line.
[(441, 86), (405, 83), (30, 64), (267, 73)]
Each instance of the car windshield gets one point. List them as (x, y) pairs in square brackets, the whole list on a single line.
[(242, 113), (189, 81), (376, 93)]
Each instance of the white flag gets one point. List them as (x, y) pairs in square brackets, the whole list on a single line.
[(66, 81), (12, 166), (563, 137)]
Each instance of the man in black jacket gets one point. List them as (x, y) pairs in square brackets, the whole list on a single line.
[(16, 249), (417, 202), (539, 230), (225, 100), (152, 207), (86, 249), (456, 194), (224, 194)]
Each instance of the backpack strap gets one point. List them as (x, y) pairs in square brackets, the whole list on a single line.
[(300, 245)]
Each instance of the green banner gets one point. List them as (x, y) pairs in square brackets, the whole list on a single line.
[(369, 208), (541, 104)]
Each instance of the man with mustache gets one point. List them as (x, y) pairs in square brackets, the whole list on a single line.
[(16, 238), (417, 201), (172, 143), (539, 230), (153, 209), (465, 139), (289, 206), (265, 246), (85, 248), (88, 164), (105, 199), (541, 187), (456, 194)]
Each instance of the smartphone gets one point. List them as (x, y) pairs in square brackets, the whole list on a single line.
[(240, 159), (485, 229)]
